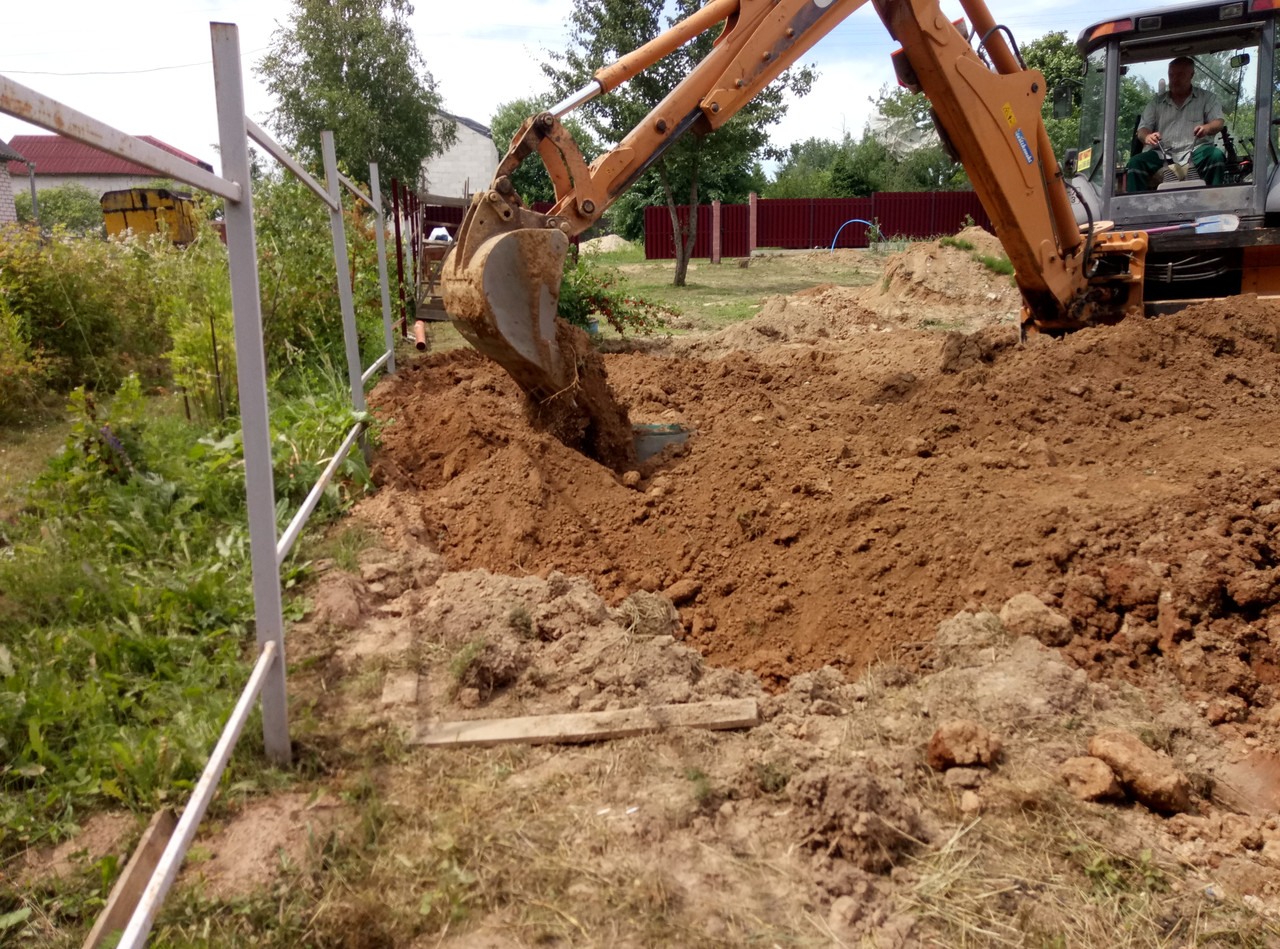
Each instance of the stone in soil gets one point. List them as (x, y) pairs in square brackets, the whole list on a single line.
[(962, 742), (1151, 779)]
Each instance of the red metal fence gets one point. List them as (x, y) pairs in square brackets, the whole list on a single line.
[(813, 222)]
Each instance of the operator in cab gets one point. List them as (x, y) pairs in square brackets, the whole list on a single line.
[(1179, 121)]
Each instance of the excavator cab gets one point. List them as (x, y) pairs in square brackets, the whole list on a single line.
[(1231, 174)]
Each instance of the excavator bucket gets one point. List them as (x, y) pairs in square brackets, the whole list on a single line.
[(501, 289)]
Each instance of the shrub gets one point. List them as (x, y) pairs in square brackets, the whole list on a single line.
[(88, 304), (22, 370), (71, 206), (95, 311), (301, 320), (591, 290)]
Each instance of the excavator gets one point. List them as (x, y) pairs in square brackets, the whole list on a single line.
[(1081, 247)]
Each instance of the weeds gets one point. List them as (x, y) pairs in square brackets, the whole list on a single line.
[(771, 777), (346, 546), (125, 611), (462, 661), (957, 242), (520, 620)]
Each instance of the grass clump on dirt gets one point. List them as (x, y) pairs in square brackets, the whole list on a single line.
[(996, 264)]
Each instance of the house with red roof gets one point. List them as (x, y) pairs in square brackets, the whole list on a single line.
[(59, 160)]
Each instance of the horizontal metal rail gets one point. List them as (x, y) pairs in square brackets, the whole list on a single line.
[(27, 104), (290, 536), (382, 361), (135, 934), (281, 155), (355, 189)]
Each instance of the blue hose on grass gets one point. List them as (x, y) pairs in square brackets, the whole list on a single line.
[(856, 220)]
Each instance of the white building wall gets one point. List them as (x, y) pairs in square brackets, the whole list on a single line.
[(8, 213), (469, 164), (98, 184)]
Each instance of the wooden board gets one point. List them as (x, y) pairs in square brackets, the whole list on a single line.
[(591, 726), (133, 881)]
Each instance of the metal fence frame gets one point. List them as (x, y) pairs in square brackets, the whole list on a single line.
[(268, 551)]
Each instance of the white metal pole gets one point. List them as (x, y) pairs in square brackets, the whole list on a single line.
[(166, 871), (251, 365), (340, 261), (375, 190)]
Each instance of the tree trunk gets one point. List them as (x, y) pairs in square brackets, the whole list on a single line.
[(684, 237)]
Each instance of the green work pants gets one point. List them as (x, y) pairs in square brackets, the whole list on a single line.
[(1208, 160)]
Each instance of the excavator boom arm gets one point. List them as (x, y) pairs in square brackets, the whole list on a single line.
[(986, 104)]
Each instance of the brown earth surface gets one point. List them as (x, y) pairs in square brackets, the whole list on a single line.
[(889, 525), (839, 497)]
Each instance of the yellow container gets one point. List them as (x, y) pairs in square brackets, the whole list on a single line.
[(142, 209)]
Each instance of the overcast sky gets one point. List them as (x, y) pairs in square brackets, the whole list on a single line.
[(142, 66)]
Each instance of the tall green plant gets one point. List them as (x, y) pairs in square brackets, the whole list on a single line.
[(125, 605), (301, 321), (22, 368), (88, 304)]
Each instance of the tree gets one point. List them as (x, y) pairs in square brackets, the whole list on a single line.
[(531, 180), (71, 205), (714, 165), (1058, 58), (805, 170), (352, 66)]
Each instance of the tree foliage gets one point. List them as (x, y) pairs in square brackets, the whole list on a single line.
[(353, 66), (697, 167), (805, 169), (71, 205), (1055, 55)]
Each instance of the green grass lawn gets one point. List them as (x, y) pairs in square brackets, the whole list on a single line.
[(716, 295)]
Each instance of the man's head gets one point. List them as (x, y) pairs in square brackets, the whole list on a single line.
[(1180, 73)]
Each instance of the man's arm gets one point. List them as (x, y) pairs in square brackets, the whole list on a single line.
[(1213, 120), (1209, 128), (1147, 133)]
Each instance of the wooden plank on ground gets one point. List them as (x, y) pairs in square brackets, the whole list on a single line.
[(591, 726), (133, 881)]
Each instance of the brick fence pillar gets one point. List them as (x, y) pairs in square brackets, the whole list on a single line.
[(715, 231), (751, 224)]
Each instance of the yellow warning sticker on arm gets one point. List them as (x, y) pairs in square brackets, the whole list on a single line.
[(1008, 115), (1084, 159)]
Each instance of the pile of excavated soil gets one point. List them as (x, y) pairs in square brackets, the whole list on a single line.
[(834, 501), (930, 285), (945, 284), (605, 245)]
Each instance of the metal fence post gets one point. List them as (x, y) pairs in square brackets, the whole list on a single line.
[(251, 365), (375, 192), (395, 215), (343, 266)]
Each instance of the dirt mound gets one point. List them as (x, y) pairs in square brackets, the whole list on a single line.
[(945, 283), (832, 500), (824, 312), (605, 245), (931, 285)]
